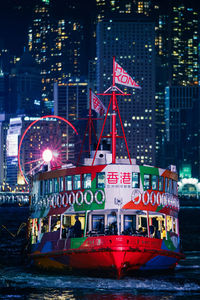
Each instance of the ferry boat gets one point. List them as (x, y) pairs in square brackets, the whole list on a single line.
[(108, 216)]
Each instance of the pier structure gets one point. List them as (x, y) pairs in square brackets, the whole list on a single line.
[(16, 199)]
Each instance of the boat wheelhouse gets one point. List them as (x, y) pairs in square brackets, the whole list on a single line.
[(109, 215)]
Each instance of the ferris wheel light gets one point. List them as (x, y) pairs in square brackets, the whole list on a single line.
[(55, 154), (47, 155)]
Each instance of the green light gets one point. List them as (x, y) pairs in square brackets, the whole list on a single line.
[(186, 171), (46, 1)]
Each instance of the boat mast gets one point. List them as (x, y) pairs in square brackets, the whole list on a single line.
[(115, 110)]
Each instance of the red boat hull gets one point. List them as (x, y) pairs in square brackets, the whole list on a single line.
[(111, 255)]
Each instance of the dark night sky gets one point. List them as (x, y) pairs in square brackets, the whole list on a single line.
[(15, 18)]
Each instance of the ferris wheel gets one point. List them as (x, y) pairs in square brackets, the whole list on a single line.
[(49, 140)]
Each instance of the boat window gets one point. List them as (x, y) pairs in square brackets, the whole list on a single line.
[(50, 186), (135, 180), (175, 187), (161, 183), (35, 229), (166, 185), (76, 182), (41, 188), (112, 223), (67, 221), (46, 190), (81, 219), (147, 181), (174, 225), (55, 185), (144, 222), (170, 186), (60, 184), (98, 223), (142, 225), (55, 223), (153, 227), (44, 224), (129, 224), (169, 224), (101, 180), (161, 231), (86, 181), (68, 183), (154, 182)]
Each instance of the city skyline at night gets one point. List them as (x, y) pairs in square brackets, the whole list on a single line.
[(48, 43)]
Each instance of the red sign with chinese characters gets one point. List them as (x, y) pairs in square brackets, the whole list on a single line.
[(119, 178)]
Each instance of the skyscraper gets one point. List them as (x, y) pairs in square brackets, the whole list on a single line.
[(25, 87), (13, 135), (132, 43), (177, 64), (56, 44), (71, 103), (183, 127), (2, 91), (3, 127), (183, 45)]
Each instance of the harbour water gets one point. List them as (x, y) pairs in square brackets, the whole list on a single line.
[(18, 280)]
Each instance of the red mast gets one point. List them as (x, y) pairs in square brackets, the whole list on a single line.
[(115, 110)]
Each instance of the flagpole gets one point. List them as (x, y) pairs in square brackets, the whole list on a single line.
[(114, 131), (90, 120)]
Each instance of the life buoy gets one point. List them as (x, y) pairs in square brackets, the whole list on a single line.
[(164, 199), (79, 194), (58, 200), (143, 198), (136, 193), (91, 197), (54, 200), (159, 198), (153, 198), (72, 198), (63, 201), (169, 197), (102, 197)]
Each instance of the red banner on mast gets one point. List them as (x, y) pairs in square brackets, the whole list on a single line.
[(97, 105)]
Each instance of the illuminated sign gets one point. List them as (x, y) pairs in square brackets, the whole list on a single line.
[(12, 145)]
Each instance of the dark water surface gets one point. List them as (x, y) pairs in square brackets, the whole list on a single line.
[(19, 281), (23, 283)]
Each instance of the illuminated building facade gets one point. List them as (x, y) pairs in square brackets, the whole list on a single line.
[(3, 131), (177, 38), (70, 99), (71, 103), (25, 87), (132, 43), (2, 91), (183, 48), (12, 143), (38, 42), (112, 8), (183, 128), (56, 44)]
